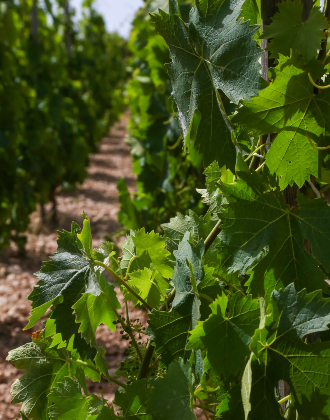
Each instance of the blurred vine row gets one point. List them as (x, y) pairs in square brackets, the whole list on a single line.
[(61, 87), (167, 177)]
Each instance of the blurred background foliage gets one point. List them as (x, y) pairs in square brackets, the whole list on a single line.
[(63, 83), (61, 87), (167, 177)]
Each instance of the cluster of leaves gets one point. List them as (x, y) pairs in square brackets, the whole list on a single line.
[(167, 177), (59, 93), (233, 295)]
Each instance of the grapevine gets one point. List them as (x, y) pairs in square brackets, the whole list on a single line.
[(235, 297), (59, 94), (167, 176)]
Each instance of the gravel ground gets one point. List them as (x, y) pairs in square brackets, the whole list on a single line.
[(98, 197)]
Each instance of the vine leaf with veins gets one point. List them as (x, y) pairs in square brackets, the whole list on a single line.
[(213, 51)]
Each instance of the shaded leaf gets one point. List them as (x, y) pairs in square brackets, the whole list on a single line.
[(213, 51), (226, 336), (288, 31), (170, 397), (133, 401)]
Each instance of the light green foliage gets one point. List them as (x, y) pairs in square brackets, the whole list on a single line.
[(227, 333), (170, 397), (91, 311), (142, 250), (151, 287), (154, 245), (85, 237), (289, 32), (289, 107), (206, 54)]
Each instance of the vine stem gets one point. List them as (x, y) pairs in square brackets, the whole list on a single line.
[(176, 144), (129, 266), (256, 150), (109, 377), (212, 235), (127, 328), (258, 169), (204, 411), (205, 297), (316, 85), (123, 282), (313, 145), (283, 400)]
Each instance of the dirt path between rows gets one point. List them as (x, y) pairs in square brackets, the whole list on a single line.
[(98, 197)]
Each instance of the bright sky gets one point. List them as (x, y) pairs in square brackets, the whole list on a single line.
[(118, 14)]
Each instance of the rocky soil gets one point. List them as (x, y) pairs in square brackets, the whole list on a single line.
[(98, 197)]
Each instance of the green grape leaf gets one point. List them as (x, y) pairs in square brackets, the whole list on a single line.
[(62, 327), (213, 51), (45, 369), (170, 397), (106, 413), (271, 241), (146, 250), (251, 10), (91, 311), (150, 286), (226, 337), (169, 331), (288, 31), (188, 263), (188, 274), (295, 311), (103, 254), (282, 355), (128, 249), (133, 401), (154, 245), (210, 286), (68, 401), (63, 278), (85, 237), (179, 225), (230, 407), (290, 108), (213, 175)]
